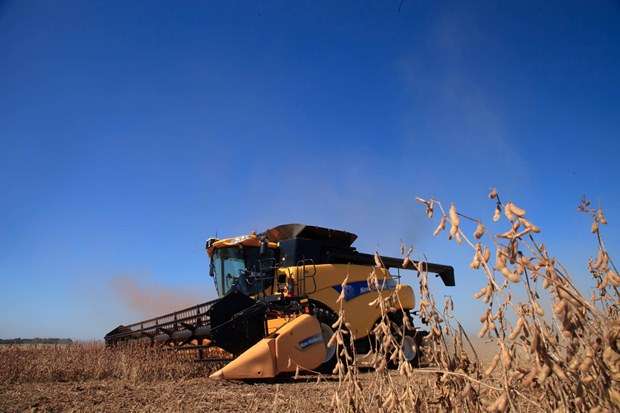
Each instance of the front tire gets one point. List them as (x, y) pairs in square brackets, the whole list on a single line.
[(330, 357), (410, 342)]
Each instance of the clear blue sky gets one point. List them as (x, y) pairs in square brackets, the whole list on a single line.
[(132, 131)]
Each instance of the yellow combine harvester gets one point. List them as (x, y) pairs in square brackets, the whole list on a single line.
[(278, 294)]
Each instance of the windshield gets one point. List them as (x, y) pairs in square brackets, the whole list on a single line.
[(242, 266), (227, 264)]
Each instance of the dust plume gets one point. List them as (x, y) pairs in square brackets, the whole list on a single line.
[(150, 299)]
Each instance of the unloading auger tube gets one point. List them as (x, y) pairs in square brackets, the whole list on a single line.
[(278, 297)]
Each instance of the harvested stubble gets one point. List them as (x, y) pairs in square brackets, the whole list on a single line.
[(93, 361)]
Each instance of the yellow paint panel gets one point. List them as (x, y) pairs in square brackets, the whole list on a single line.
[(298, 342), (275, 323), (256, 362), (358, 313)]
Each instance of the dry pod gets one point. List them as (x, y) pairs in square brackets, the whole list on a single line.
[(454, 224), (466, 390), (483, 330), (508, 212), (528, 380), (574, 364), (492, 366), (486, 255), (429, 205), (430, 209), (517, 211), (441, 226), (585, 365), (389, 402), (489, 294), (538, 309), (510, 234), (557, 370), (378, 261), (406, 261), (511, 211), (479, 232), (529, 226), (500, 259), (498, 405), (587, 379), (559, 309), (475, 262), (601, 261), (496, 214), (613, 278), (506, 357), (535, 342), (406, 255), (544, 372), (518, 327), (481, 293), (454, 217), (614, 395), (457, 237), (500, 264), (485, 316), (510, 275)]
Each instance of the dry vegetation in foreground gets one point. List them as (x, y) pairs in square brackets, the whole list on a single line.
[(555, 350)]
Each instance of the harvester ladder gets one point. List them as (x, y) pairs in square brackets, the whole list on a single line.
[(304, 275)]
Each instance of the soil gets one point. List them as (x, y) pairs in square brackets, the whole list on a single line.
[(204, 394)]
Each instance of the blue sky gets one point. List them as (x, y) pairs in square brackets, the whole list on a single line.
[(131, 132)]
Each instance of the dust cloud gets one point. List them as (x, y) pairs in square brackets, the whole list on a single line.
[(151, 299)]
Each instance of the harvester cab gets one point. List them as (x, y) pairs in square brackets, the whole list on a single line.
[(241, 264), (278, 299)]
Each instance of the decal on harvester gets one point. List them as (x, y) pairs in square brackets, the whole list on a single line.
[(317, 338), (357, 288)]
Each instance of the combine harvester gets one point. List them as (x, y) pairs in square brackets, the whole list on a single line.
[(278, 294)]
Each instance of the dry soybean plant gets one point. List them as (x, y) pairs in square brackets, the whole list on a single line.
[(556, 349)]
